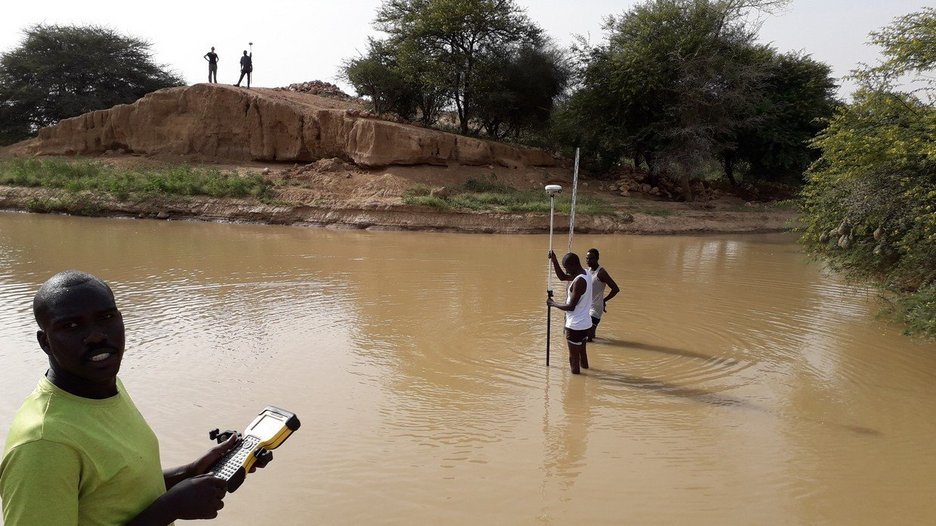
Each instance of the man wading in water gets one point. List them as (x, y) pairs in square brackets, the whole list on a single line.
[(578, 303), (600, 278)]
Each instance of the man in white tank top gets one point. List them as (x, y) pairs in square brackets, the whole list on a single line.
[(576, 307), (600, 279)]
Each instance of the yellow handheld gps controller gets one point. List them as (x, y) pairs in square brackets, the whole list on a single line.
[(270, 429)]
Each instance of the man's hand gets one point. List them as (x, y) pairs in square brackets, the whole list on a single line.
[(199, 497), (200, 466), (204, 463), (263, 456)]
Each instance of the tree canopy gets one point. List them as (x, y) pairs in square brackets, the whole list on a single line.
[(63, 71), (795, 101), (680, 83), (395, 82), (484, 59), (870, 201)]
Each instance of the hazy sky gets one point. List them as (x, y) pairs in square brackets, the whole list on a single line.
[(296, 41)]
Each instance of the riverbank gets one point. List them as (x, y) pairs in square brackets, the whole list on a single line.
[(333, 193)]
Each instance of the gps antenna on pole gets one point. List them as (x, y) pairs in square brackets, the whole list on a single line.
[(552, 190)]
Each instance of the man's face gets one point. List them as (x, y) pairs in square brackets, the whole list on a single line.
[(83, 334), (591, 259)]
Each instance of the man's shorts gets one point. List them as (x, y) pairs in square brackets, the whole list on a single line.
[(595, 321), (576, 337)]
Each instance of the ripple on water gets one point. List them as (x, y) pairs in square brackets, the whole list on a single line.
[(728, 377), (235, 318), (16, 311)]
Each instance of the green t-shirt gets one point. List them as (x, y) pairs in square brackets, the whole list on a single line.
[(70, 460)]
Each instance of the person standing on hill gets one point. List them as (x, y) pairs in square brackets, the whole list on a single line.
[(600, 279), (578, 303), (212, 59), (246, 63)]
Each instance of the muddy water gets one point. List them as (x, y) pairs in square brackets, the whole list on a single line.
[(733, 382)]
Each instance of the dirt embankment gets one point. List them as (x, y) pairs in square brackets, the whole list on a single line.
[(334, 164)]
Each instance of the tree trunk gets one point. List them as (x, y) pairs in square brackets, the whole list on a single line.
[(460, 106), (686, 187), (729, 162), (684, 182), (653, 172), (467, 96)]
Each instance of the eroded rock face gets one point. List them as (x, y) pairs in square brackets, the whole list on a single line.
[(225, 122)]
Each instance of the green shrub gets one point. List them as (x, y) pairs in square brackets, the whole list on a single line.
[(497, 197), (417, 190), (918, 309), (427, 200), (474, 185), (78, 176), (69, 204)]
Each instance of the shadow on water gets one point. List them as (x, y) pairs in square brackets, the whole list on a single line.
[(696, 394), (656, 348), (659, 386)]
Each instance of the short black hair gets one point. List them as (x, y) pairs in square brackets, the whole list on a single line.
[(595, 251), (57, 285), (572, 258)]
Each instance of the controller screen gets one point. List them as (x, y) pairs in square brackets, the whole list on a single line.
[(266, 427)]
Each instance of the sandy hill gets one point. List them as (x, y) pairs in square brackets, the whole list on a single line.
[(213, 121)]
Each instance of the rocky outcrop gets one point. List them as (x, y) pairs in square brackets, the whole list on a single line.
[(317, 87), (224, 122)]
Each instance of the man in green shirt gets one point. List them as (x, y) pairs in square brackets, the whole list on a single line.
[(79, 452)]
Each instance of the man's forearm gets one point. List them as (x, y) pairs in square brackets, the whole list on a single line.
[(176, 475), (559, 273), (157, 514)]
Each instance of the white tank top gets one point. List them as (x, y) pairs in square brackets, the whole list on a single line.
[(578, 319), (598, 288)]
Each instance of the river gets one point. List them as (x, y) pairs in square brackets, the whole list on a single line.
[(732, 382)]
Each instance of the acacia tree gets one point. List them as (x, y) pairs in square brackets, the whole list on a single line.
[(394, 82), (672, 86), (63, 71), (518, 92), (457, 37), (795, 100), (376, 76), (869, 201)]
